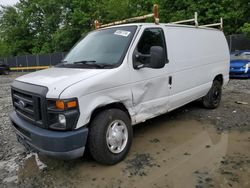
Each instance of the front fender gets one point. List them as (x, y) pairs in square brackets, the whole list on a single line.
[(96, 100)]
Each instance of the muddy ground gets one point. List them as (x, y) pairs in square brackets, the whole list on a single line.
[(190, 147)]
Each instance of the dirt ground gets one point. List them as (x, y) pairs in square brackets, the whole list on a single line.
[(189, 147)]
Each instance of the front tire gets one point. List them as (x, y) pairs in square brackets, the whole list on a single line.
[(213, 98), (110, 136)]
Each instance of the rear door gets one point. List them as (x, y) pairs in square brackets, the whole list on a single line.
[(150, 88)]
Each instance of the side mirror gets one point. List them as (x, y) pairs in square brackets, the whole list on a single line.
[(155, 60)]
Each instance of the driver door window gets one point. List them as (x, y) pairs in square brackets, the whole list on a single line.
[(151, 37)]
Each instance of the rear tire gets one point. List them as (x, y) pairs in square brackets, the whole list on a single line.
[(213, 98), (110, 136)]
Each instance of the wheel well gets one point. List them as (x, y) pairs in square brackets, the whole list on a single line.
[(119, 106), (219, 78)]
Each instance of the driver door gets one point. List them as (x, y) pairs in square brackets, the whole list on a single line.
[(150, 88)]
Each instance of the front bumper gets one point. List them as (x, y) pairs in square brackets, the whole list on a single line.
[(239, 73), (64, 145)]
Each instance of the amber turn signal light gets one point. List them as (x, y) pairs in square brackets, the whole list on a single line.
[(71, 104), (60, 105), (63, 105)]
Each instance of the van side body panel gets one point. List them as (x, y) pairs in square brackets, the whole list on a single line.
[(196, 57)]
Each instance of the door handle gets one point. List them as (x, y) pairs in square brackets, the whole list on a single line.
[(170, 80)]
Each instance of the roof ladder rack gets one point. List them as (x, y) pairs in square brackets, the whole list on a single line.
[(195, 20), (154, 15), (215, 24)]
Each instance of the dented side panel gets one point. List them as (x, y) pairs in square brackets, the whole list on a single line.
[(150, 97), (150, 88)]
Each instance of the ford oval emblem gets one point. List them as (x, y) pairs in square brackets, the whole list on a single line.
[(22, 104)]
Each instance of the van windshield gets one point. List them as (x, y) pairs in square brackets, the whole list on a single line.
[(240, 56), (100, 49)]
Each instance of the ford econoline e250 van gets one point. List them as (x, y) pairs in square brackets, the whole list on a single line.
[(112, 79)]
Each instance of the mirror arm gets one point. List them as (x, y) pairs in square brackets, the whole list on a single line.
[(142, 55), (140, 66), (138, 56)]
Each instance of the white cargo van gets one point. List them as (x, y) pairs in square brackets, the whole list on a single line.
[(112, 79)]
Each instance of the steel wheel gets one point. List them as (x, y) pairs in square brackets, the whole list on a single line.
[(213, 98), (216, 95), (110, 136), (117, 136)]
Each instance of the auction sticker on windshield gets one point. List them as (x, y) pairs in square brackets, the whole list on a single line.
[(122, 33)]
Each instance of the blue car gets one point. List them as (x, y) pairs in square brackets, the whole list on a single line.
[(240, 64)]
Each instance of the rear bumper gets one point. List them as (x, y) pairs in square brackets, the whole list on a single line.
[(64, 145)]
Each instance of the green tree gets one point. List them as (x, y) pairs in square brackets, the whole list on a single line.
[(233, 12), (14, 32), (41, 26), (246, 29)]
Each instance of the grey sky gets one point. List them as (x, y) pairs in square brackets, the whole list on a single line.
[(8, 2)]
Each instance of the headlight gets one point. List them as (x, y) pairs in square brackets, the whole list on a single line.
[(62, 114), (247, 66), (62, 119), (61, 123)]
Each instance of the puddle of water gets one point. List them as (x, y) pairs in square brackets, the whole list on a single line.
[(165, 153)]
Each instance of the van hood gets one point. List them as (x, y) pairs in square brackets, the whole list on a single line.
[(238, 63), (58, 79)]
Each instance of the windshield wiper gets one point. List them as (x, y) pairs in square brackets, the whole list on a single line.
[(60, 65), (92, 63)]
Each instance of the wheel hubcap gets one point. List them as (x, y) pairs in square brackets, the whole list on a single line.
[(117, 136), (216, 95)]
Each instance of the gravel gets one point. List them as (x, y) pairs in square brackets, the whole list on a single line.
[(233, 114)]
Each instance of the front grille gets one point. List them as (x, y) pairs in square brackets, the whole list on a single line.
[(29, 103), (236, 68), (28, 106)]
